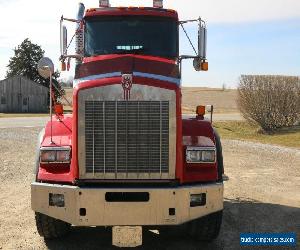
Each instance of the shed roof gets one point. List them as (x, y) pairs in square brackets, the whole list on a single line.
[(24, 78)]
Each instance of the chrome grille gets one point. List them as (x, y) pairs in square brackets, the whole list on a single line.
[(127, 136)]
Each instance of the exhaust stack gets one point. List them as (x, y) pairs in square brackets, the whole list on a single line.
[(79, 33)]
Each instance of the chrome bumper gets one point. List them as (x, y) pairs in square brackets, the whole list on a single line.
[(100, 212)]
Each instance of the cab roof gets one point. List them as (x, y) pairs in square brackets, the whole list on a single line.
[(132, 11)]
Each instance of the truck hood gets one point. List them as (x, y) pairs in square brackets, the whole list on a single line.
[(116, 65)]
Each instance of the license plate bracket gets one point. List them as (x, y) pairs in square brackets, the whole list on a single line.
[(127, 236)]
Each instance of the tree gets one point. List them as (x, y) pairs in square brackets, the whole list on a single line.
[(273, 102), (24, 63)]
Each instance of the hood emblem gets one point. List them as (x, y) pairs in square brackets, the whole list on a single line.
[(127, 85)]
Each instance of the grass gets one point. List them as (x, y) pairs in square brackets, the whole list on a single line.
[(9, 115), (241, 130), (192, 110)]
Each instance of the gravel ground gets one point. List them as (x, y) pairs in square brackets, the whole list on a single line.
[(262, 195)]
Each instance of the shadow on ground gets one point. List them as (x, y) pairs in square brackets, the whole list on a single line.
[(239, 216)]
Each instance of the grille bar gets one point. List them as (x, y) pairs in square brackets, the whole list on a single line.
[(116, 140), (160, 124), (127, 137)]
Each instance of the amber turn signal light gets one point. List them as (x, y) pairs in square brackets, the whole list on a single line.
[(200, 110), (59, 109), (204, 66), (63, 66)]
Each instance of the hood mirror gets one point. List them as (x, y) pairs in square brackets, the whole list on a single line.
[(45, 67)]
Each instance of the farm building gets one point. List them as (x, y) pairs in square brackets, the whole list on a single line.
[(21, 95)]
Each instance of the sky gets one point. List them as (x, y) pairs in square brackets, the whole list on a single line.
[(244, 36)]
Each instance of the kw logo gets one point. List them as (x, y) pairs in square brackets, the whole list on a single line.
[(127, 85)]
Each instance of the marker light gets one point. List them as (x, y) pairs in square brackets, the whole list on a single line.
[(204, 66), (200, 110), (58, 109), (104, 3), (158, 4)]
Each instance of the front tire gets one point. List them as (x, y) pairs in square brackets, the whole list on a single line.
[(206, 228), (51, 228)]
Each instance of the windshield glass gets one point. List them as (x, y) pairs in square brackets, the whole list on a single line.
[(133, 35)]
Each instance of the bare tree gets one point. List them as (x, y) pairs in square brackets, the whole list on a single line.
[(224, 87), (271, 101)]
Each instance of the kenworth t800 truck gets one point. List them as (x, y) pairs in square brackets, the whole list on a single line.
[(126, 156)]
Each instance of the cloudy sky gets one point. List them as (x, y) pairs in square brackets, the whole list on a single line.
[(245, 36)]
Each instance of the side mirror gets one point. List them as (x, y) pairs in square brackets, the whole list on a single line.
[(197, 64), (45, 67), (200, 63), (202, 39), (63, 39)]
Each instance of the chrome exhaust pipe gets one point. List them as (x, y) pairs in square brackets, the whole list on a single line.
[(79, 33)]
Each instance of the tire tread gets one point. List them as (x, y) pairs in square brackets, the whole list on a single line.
[(51, 228), (206, 228)]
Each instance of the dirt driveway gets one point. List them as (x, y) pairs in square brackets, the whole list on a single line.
[(262, 195)]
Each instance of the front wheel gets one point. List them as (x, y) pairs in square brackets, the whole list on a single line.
[(206, 228), (51, 228)]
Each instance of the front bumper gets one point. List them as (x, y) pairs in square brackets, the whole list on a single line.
[(100, 212)]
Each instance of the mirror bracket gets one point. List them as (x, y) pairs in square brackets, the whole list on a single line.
[(199, 60), (64, 40)]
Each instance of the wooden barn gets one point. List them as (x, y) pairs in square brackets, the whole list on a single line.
[(21, 95)]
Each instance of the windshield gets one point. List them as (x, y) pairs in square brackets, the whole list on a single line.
[(131, 35)]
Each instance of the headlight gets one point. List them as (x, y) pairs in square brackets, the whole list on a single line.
[(55, 155), (200, 155)]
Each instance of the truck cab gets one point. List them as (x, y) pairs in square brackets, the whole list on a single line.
[(126, 156)]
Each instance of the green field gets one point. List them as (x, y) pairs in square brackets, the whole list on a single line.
[(241, 130), (8, 115)]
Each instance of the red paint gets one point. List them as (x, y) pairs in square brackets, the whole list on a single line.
[(114, 56), (198, 172), (61, 136), (127, 64), (132, 12)]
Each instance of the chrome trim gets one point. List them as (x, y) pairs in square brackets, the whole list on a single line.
[(104, 139), (158, 77), (138, 130), (95, 77), (116, 139), (126, 141), (160, 136), (138, 93), (175, 80), (93, 143), (63, 148)]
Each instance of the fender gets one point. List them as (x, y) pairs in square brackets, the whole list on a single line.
[(37, 153), (61, 136), (198, 132), (219, 156)]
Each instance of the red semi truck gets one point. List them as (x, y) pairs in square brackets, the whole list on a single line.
[(127, 156)]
